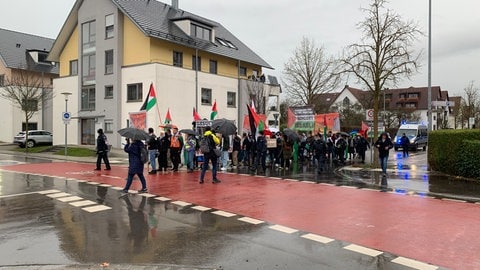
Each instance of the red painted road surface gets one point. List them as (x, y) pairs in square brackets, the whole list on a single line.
[(443, 233)]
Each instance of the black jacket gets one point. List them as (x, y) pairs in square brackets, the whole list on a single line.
[(383, 147), (102, 143)]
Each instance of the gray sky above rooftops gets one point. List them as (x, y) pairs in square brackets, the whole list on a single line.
[(274, 28)]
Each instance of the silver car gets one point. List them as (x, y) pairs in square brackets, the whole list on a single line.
[(35, 137)]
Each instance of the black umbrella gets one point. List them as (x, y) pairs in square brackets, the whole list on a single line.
[(134, 133), (188, 131), (291, 134), (224, 126), (343, 134)]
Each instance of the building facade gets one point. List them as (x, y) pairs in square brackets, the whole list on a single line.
[(25, 55), (411, 102), (111, 51)]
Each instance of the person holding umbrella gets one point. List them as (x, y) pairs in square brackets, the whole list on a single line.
[(134, 148), (135, 164)]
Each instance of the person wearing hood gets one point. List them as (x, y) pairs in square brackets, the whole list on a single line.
[(384, 144)]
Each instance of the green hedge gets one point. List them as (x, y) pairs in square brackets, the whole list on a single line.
[(455, 152)]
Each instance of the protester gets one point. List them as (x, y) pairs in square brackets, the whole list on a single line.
[(341, 146), (237, 147), (176, 145), (102, 151), (210, 156), (261, 154), (225, 147), (361, 146), (163, 146), (190, 147), (247, 146), (135, 165), (152, 145), (384, 144), (331, 145), (279, 150), (287, 152), (405, 142), (319, 148)]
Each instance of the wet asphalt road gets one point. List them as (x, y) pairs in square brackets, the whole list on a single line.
[(36, 230)]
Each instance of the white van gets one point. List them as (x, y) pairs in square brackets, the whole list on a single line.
[(416, 133)]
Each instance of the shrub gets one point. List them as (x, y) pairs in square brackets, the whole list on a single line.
[(454, 151)]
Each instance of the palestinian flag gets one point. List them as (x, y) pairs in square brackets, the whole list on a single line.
[(196, 116), (256, 124), (168, 117), (150, 101), (214, 112)]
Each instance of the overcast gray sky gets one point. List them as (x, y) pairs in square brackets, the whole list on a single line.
[(274, 28)]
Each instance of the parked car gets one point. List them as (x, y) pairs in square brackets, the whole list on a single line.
[(35, 137), (417, 134)]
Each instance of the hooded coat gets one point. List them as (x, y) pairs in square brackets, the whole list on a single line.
[(135, 164)]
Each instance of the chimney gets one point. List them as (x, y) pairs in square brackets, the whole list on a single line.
[(175, 4)]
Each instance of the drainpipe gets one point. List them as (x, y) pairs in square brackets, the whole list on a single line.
[(196, 79)]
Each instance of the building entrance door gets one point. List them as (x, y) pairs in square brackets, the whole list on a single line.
[(88, 131)]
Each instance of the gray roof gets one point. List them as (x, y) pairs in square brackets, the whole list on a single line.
[(156, 19), (14, 47)]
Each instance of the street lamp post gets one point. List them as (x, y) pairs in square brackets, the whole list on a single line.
[(66, 119), (429, 94)]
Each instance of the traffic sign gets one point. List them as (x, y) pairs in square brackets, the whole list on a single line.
[(66, 116), (369, 115)]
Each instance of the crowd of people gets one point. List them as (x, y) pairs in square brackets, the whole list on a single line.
[(276, 151)]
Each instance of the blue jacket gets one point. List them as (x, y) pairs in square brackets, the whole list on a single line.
[(135, 164)]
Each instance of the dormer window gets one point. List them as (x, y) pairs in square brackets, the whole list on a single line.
[(39, 57), (226, 43), (201, 32), (42, 57)]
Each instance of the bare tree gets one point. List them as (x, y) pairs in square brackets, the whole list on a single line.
[(470, 106), (384, 56), (256, 92), (309, 72), (26, 91)]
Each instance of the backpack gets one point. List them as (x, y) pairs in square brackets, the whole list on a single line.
[(206, 144), (144, 155), (175, 142)]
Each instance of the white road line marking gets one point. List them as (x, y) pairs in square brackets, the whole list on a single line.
[(291, 180), (453, 200), (48, 191), (72, 179), (251, 220), (414, 264), (96, 208), (133, 191), (352, 169), (349, 187), (93, 183), (70, 199), (317, 238), (58, 195), (110, 176), (163, 199), (19, 194), (105, 185), (308, 182), (81, 181), (147, 195), (116, 188), (363, 250), (201, 208), (283, 229), (224, 214), (278, 178), (181, 203), (327, 184), (82, 203)]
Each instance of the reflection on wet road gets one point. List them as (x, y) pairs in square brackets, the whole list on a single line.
[(54, 228)]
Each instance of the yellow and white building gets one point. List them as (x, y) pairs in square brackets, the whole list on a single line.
[(110, 51)]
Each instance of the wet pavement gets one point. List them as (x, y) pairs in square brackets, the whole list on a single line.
[(47, 229), (167, 233)]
